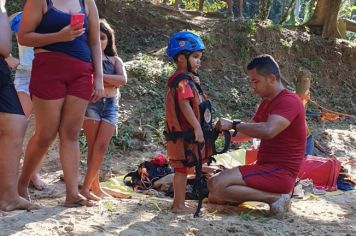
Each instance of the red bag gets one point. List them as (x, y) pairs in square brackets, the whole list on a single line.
[(322, 170)]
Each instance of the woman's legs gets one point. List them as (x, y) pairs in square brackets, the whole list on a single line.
[(12, 131), (90, 128), (70, 125), (104, 132), (26, 104), (48, 116)]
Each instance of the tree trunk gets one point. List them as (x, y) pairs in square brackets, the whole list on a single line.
[(325, 16), (288, 12), (201, 5), (303, 85), (264, 9)]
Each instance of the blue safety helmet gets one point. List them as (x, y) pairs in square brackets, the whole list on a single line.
[(184, 41), (15, 22)]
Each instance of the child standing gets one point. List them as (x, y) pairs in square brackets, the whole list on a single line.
[(101, 117), (186, 49)]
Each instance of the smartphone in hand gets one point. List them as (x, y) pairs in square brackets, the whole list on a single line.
[(77, 19)]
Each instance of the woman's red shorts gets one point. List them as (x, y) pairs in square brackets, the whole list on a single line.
[(56, 75)]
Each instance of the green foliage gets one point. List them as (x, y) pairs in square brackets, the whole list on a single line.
[(242, 52), (13, 6), (286, 44), (249, 26), (268, 24), (123, 139), (209, 40), (346, 9), (351, 36), (312, 64)]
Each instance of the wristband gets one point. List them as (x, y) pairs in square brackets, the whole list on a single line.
[(234, 123)]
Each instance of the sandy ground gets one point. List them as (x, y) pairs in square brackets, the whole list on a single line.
[(333, 214)]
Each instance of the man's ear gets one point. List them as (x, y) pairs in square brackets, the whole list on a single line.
[(271, 77)]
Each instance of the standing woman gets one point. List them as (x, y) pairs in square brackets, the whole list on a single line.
[(12, 127), (102, 116), (66, 74), (23, 67)]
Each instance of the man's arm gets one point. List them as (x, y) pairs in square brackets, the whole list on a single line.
[(5, 35), (264, 130)]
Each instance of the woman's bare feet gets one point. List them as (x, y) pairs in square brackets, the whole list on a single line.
[(23, 192), (18, 204), (37, 182), (89, 195), (80, 201), (114, 194), (101, 193), (3, 213)]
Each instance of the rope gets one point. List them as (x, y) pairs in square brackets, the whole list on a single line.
[(330, 115)]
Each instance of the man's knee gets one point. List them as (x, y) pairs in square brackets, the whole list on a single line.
[(225, 178), (215, 183)]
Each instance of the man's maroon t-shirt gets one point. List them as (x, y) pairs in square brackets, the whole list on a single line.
[(287, 148)]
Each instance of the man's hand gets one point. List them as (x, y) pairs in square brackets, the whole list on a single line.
[(225, 124)]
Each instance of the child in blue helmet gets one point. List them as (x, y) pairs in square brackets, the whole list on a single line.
[(186, 49)]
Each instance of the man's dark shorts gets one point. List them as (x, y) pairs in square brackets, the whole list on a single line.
[(9, 101)]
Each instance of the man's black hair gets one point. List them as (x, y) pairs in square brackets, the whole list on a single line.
[(265, 65)]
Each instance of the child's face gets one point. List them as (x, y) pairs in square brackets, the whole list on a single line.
[(103, 40), (194, 60)]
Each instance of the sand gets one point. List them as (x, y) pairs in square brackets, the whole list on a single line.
[(331, 214)]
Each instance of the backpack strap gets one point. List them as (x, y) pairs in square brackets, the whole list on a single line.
[(182, 76), (132, 175)]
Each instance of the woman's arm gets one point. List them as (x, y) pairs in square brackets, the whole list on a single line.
[(120, 78), (5, 35), (31, 18), (94, 44)]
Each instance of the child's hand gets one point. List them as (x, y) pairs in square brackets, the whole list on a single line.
[(199, 137), (12, 62), (196, 79)]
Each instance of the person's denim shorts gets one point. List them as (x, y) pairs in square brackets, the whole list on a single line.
[(22, 81), (106, 109)]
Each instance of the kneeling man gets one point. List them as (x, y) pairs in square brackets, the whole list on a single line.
[(280, 124)]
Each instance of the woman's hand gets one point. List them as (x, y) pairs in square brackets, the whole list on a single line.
[(70, 33), (98, 91)]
